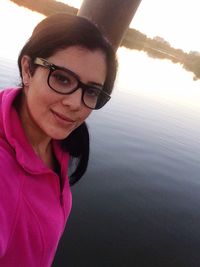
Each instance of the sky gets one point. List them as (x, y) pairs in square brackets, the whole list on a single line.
[(176, 21), (17, 24)]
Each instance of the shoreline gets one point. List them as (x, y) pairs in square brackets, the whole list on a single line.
[(133, 39)]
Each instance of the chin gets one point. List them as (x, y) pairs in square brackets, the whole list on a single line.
[(60, 135)]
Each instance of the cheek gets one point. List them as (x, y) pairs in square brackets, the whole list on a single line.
[(83, 116), (37, 102), (86, 113)]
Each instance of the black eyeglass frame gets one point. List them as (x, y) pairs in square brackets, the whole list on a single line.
[(80, 85)]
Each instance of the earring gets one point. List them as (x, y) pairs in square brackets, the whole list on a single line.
[(25, 83)]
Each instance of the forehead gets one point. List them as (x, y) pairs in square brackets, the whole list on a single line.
[(90, 66)]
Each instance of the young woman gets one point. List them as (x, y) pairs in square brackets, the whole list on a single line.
[(67, 69)]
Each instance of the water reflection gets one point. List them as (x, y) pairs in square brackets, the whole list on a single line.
[(16, 26), (139, 204), (158, 79)]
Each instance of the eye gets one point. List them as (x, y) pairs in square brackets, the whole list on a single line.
[(93, 92), (61, 77)]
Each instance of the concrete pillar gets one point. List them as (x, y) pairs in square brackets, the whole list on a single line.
[(112, 16)]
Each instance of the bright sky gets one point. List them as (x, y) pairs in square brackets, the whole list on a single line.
[(177, 21), (179, 30), (17, 24)]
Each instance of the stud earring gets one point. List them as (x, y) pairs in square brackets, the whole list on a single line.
[(25, 83)]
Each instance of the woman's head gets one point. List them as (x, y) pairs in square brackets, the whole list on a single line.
[(63, 90), (60, 31), (74, 45)]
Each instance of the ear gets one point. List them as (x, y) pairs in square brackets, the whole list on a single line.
[(25, 65)]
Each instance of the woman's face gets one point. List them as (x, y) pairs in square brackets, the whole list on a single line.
[(57, 115)]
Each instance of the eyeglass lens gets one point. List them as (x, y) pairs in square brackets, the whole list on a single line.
[(65, 83)]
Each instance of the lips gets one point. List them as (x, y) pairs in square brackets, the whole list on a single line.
[(62, 118)]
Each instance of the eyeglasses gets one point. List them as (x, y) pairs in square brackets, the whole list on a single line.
[(64, 81)]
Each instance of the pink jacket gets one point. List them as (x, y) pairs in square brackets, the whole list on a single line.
[(33, 206)]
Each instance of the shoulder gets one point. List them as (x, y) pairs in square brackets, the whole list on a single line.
[(7, 95), (9, 178), (9, 168), (10, 188), (7, 154)]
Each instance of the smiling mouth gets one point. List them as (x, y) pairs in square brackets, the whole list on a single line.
[(62, 118)]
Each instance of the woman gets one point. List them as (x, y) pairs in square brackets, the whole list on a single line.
[(67, 69)]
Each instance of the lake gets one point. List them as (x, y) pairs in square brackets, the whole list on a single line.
[(139, 203)]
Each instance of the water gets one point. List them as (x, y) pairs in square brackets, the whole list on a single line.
[(139, 203)]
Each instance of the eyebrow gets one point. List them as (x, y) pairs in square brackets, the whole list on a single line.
[(88, 83), (52, 65), (95, 84)]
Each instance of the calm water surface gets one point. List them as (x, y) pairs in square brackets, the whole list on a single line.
[(139, 204)]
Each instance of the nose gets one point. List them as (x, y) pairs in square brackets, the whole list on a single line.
[(74, 100)]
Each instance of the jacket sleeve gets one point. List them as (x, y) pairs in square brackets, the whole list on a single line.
[(9, 200)]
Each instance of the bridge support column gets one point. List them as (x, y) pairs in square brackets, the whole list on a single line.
[(112, 16)]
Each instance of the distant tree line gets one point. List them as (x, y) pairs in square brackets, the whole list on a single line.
[(133, 39), (159, 48)]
